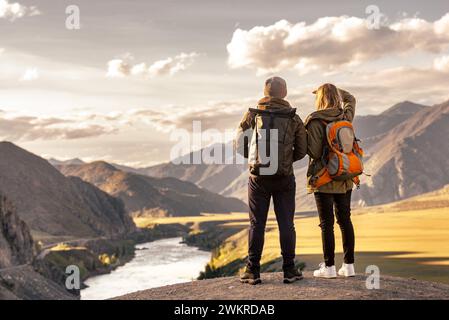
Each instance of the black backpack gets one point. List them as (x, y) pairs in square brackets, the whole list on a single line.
[(263, 147)]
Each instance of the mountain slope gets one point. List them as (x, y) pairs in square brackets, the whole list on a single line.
[(371, 126), (148, 196), (53, 205), (213, 177), (406, 153), (410, 159)]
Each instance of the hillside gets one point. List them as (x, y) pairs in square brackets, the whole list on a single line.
[(213, 177), (148, 196), (370, 127), (56, 207), (272, 288), (435, 199), (410, 159)]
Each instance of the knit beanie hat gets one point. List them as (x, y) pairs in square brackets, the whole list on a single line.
[(275, 87)]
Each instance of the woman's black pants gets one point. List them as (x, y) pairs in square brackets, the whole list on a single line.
[(326, 202)]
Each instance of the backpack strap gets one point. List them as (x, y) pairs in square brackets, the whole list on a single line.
[(274, 113)]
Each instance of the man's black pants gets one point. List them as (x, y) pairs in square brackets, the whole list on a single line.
[(325, 203), (260, 191)]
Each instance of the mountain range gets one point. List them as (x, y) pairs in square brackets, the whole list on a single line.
[(404, 148), (405, 153), (55, 206), (149, 196)]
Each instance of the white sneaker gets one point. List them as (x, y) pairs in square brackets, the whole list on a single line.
[(325, 272), (347, 270)]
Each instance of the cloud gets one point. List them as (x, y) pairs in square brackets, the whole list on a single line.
[(169, 66), (220, 115), (441, 64), (375, 92), (118, 68), (30, 74), (29, 128), (331, 42), (15, 10)]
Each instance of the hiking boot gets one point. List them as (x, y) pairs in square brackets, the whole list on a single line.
[(325, 272), (347, 270), (250, 276), (292, 274)]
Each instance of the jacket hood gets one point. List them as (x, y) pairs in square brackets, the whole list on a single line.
[(270, 103), (328, 115)]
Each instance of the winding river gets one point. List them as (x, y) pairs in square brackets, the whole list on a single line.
[(155, 264)]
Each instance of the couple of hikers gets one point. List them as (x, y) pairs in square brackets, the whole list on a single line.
[(335, 162)]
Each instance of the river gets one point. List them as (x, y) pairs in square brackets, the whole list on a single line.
[(155, 264)]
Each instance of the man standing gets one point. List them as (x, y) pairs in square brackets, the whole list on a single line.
[(278, 138)]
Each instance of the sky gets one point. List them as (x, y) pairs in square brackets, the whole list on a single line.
[(135, 72)]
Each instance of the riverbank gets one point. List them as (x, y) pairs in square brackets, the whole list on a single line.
[(170, 259), (98, 256)]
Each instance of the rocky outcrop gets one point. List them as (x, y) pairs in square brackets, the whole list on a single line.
[(16, 245), (310, 288), (18, 278), (24, 283)]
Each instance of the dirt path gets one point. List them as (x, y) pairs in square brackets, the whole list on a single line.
[(272, 288)]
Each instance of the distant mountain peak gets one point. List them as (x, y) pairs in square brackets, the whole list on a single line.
[(101, 165), (75, 161), (404, 107)]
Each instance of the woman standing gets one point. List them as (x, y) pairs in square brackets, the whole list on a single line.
[(332, 104)]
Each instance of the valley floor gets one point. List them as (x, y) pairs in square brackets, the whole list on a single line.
[(406, 243)]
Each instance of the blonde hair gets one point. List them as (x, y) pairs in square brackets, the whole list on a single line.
[(327, 96)]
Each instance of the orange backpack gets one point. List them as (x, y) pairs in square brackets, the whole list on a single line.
[(342, 156)]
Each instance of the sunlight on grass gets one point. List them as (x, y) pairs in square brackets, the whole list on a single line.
[(66, 247), (410, 243)]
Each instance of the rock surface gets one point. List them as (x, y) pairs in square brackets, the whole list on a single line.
[(23, 283), (16, 245), (272, 288), (18, 279)]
